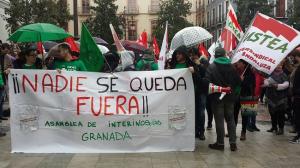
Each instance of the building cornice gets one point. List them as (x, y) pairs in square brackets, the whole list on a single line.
[(4, 4)]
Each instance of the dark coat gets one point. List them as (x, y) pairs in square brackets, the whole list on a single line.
[(248, 84), (19, 63), (277, 97), (226, 76), (296, 83), (200, 81), (197, 75)]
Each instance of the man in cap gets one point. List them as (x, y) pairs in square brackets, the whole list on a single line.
[(223, 74)]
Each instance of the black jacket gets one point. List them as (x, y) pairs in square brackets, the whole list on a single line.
[(226, 76), (248, 84), (200, 81), (296, 84), (19, 63)]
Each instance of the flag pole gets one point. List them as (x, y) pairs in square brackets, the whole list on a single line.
[(107, 64), (227, 40), (245, 70), (43, 56)]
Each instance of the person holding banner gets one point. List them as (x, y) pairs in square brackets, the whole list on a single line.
[(147, 62), (28, 60), (277, 98), (246, 95), (5, 64), (222, 73), (66, 61), (200, 93), (2, 133), (295, 87), (180, 59)]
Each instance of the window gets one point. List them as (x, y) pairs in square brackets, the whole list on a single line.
[(280, 8), (154, 6), (85, 7), (207, 20), (214, 16), (132, 32), (220, 14), (227, 4), (132, 6), (223, 12), (153, 26)]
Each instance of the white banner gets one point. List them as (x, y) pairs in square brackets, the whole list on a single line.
[(83, 112), (266, 43)]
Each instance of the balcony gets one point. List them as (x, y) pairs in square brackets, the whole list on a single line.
[(132, 11), (84, 11), (153, 9)]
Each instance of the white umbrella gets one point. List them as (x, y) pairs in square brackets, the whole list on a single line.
[(103, 49), (190, 36)]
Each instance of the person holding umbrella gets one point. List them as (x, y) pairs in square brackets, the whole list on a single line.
[(180, 59), (66, 61), (38, 32)]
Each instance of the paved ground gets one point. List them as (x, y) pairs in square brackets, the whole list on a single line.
[(261, 149)]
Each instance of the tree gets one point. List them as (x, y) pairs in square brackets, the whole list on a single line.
[(175, 12), (105, 13), (64, 14), (294, 15), (23, 12), (18, 14), (44, 11), (247, 10)]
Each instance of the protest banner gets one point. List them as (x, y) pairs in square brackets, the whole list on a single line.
[(86, 112), (266, 43)]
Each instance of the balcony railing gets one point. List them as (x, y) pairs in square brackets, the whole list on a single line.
[(84, 11), (132, 10)]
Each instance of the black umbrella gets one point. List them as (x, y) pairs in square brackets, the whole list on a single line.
[(98, 40), (133, 46)]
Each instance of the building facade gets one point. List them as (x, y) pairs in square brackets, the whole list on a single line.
[(213, 17), (281, 8), (213, 13), (4, 33), (140, 15)]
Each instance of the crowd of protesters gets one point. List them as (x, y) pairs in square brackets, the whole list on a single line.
[(281, 89)]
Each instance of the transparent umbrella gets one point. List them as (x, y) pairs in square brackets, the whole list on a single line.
[(189, 37)]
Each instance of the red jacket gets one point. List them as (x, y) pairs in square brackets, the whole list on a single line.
[(259, 80)]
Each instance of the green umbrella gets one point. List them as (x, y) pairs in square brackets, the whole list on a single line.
[(38, 32)]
